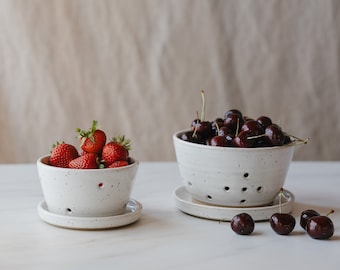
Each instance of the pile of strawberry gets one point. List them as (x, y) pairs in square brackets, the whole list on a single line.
[(96, 152)]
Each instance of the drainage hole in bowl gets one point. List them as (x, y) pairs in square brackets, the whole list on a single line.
[(68, 210), (244, 189), (246, 175), (226, 188), (209, 197), (243, 201), (259, 189)]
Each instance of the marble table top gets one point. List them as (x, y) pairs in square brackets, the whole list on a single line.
[(164, 237)]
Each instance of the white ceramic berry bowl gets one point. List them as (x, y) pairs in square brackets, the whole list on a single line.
[(87, 192), (232, 176)]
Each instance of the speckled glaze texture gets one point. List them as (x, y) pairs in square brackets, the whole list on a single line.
[(229, 176), (86, 193)]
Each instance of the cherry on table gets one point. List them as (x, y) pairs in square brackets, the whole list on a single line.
[(305, 215), (320, 227), (242, 224), (282, 223)]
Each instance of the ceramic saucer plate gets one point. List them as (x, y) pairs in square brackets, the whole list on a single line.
[(195, 208), (132, 214)]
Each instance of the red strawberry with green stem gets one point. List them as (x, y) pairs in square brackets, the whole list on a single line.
[(119, 163), (92, 140), (62, 154), (116, 150), (85, 161)]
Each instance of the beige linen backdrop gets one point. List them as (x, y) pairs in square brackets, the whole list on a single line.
[(138, 68)]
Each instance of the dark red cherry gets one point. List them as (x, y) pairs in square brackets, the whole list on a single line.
[(253, 126), (282, 223), (242, 224), (219, 122), (229, 138), (244, 139), (190, 136), (194, 123), (274, 135), (264, 121), (320, 227), (233, 122), (233, 111), (305, 215), (223, 131), (218, 141), (204, 128)]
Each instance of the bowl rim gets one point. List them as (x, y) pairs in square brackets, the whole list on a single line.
[(175, 137), (41, 163)]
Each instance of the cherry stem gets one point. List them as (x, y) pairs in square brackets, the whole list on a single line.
[(302, 141), (203, 106), (237, 126), (195, 131), (217, 127), (281, 194), (255, 136), (280, 200), (330, 212)]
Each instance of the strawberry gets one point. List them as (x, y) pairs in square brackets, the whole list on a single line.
[(62, 154), (92, 140), (118, 163), (86, 161), (117, 149)]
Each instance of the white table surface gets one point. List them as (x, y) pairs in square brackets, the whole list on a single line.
[(164, 237)]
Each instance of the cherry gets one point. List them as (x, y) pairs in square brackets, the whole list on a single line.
[(305, 215), (193, 137), (320, 227), (233, 122), (200, 126), (194, 123), (253, 126), (229, 138), (217, 124), (242, 224), (218, 141), (264, 121), (204, 128), (224, 131), (233, 111), (243, 139), (282, 223), (274, 135)]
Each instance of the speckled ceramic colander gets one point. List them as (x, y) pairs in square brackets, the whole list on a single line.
[(86, 193), (231, 176)]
